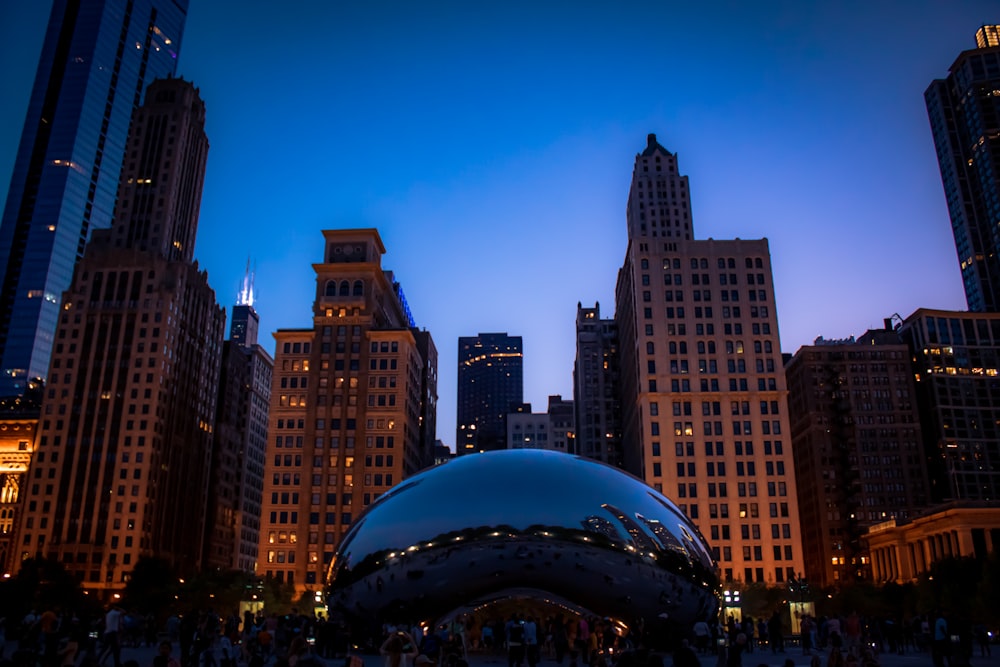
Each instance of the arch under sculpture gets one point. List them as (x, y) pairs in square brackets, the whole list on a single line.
[(526, 522)]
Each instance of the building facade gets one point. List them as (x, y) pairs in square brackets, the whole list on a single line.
[(490, 385), (97, 59), (552, 430), (956, 361), (904, 549), (18, 436), (964, 111), (233, 535), (596, 387), (347, 401), (126, 435), (704, 402), (856, 440)]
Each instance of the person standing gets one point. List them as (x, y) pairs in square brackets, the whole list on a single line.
[(112, 636), (775, 633), (531, 651), (515, 641), (939, 640)]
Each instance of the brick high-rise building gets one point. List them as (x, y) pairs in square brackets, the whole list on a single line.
[(964, 111), (349, 404), (704, 404), (97, 59), (858, 454), (596, 387), (125, 443)]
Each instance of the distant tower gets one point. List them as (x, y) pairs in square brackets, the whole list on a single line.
[(490, 384), (659, 203), (126, 438), (97, 59), (596, 387), (704, 405), (246, 322), (233, 535), (963, 111)]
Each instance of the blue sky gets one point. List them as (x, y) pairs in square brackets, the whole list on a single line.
[(491, 143)]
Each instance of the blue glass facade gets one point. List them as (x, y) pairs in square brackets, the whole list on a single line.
[(98, 58), (964, 112)]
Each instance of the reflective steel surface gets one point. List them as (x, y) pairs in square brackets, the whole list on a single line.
[(487, 526)]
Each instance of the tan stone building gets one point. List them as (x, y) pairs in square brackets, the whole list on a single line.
[(704, 404), (902, 550), (352, 404)]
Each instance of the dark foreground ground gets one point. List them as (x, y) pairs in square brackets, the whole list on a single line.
[(144, 657)]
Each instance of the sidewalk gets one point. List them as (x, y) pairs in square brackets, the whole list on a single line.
[(144, 656)]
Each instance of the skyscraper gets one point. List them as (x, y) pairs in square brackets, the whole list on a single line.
[(236, 492), (704, 405), (964, 111), (956, 361), (125, 445), (98, 58), (596, 387), (349, 405), (859, 459), (490, 385)]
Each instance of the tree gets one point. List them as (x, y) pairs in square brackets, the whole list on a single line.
[(41, 584), (152, 587)]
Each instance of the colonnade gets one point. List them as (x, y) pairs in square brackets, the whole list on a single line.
[(908, 555)]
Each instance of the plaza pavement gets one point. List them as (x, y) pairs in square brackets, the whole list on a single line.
[(144, 656)]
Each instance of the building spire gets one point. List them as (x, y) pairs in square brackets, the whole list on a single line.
[(245, 296)]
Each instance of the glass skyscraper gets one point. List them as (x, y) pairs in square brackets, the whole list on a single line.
[(964, 111), (490, 386), (98, 58)]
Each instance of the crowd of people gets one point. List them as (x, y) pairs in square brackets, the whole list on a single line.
[(851, 640), (61, 638)]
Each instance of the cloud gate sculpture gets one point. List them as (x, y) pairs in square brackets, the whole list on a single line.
[(486, 527)]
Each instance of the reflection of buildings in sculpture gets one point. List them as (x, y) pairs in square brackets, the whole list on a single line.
[(640, 539), (602, 526), (349, 409), (704, 403), (902, 550), (666, 538), (561, 541), (18, 429)]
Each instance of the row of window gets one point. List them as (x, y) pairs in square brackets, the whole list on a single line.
[(712, 385), (702, 263)]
